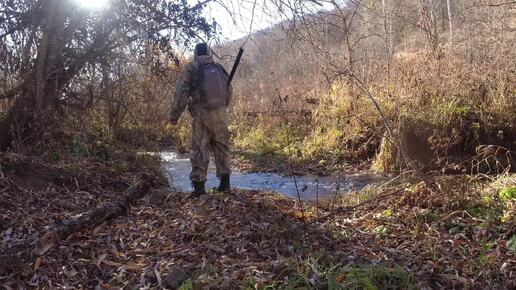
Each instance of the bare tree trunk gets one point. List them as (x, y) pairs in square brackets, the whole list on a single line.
[(385, 35), (428, 25), (443, 17), (31, 112), (387, 31), (48, 68), (450, 22), (422, 18), (431, 7), (391, 34), (351, 55), (108, 97)]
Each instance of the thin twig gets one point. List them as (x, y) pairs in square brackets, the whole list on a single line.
[(293, 173), (495, 5), (299, 196), (390, 138), (337, 189), (347, 209), (317, 196)]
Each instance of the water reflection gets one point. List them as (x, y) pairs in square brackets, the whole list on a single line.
[(178, 169)]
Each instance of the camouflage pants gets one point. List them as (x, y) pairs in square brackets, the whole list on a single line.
[(209, 130)]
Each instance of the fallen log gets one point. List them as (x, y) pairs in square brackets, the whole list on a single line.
[(14, 258), (64, 228)]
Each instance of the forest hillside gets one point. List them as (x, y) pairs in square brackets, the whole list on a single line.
[(445, 86)]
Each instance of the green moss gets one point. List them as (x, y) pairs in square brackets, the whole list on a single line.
[(446, 111), (380, 230), (478, 211), (511, 244), (387, 213), (323, 142), (100, 150), (286, 140), (372, 278), (508, 193), (256, 141), (321, 272), (77, 148), (456, 228), (187, 285)]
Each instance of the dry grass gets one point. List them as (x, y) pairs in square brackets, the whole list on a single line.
[(451, 105)]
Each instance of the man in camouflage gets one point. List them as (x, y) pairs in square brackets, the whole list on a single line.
[(209, 125)]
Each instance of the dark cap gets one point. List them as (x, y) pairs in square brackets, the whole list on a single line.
[(201, 49)]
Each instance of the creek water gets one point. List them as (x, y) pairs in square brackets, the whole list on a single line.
[(310, 187)]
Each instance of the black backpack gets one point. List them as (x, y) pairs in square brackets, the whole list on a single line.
[(213, 81)]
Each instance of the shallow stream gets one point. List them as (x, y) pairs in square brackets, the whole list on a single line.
[(310, 187)]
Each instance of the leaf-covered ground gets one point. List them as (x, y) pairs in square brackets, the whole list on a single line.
[(459, 235)]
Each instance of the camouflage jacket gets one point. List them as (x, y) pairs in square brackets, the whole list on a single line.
[(188, 89)]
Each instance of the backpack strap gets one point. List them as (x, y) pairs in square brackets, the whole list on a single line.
[(223, 70), (198, 84), (221, 67)]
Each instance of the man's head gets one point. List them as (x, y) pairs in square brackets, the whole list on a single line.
[(201, 49)]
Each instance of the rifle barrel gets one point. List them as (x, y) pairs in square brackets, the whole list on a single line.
[(235, 65)]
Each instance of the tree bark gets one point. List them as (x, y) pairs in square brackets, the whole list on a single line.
[(450, 22), (386, 32), (62, 229), (33, 110)]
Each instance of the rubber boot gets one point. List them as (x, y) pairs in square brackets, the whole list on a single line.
[(199, 189), (224, 184)]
